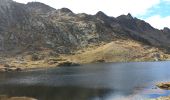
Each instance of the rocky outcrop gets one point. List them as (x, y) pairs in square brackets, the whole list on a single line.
[(68, 63), (9, 68), (165, 85)]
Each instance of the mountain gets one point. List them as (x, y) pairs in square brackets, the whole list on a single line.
[(35, 26)]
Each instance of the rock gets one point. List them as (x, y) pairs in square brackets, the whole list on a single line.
[(165, 86), (8, 70), (68, 63), (6, 66), (36, 57), (5, 97), (21, 98), (52, 62), (18, 69), (100, 61), (161, 98), (2, 70), (157, 56), (52, 53)]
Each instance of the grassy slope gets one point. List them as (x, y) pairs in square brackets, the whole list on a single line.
[(116, 51)]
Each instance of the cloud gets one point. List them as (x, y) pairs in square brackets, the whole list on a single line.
[(110, 7), (167, 0), (159, 22)]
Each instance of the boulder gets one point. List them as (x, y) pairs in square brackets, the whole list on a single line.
[(52, 62), (161, 98), (68, 63), (165, 86), (6, 66), (9, 68), (34, 57), (18, 69), (100, 61)]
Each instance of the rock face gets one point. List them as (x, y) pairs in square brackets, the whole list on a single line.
[(35, 25)]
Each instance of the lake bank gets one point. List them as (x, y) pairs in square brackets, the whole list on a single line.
[(116, 51)]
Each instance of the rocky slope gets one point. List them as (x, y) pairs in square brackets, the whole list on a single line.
[(37, 29), (36, 25)]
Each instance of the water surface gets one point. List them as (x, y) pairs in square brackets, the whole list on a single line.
[(108, 81)]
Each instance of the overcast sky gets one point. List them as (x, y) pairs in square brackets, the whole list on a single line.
[(156, 12)]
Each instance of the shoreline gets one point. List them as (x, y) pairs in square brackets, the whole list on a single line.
[(117, 51), (35, 68), (6, 97)]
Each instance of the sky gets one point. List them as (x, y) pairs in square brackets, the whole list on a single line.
[(155, 12)]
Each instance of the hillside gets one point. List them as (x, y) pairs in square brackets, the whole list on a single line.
[(33, 34), (118, 51)]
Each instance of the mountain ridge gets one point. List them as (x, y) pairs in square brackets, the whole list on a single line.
[(36, 27), (126, 22)]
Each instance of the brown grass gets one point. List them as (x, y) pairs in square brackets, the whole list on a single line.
[(115, 51)]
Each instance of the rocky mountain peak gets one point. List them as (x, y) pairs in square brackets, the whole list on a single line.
[(38, 7), (65, 10), (128, 16), (109, 21), (166, 30), (101, 14)]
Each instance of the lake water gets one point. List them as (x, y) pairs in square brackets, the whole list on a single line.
[(108, 81)]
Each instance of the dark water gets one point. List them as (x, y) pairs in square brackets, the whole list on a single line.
[(109, 81)]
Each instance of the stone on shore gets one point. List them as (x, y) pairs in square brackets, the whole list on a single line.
[(9, 68), (5, 97), (161, 98), (165, 85), (68, 63)]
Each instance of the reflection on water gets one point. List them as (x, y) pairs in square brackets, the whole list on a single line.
[(66, 93), (109, 81), (56, 93)]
